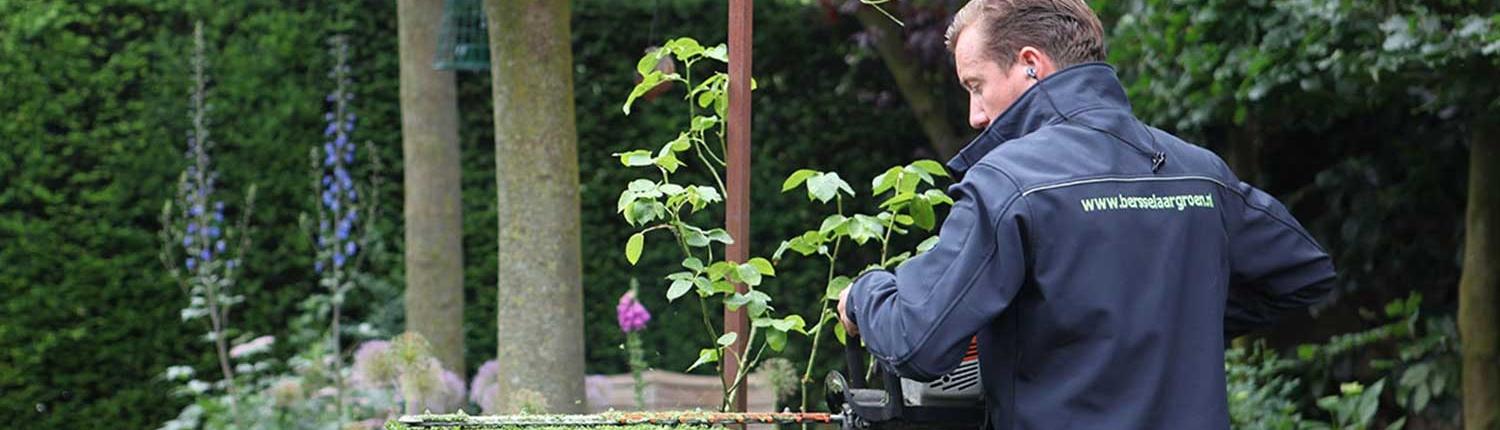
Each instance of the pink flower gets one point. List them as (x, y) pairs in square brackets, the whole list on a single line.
[(373, 367), (631, 314), (454, 388), (485, 389)]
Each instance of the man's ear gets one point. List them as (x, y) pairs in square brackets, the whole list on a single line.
[(1034, 58)]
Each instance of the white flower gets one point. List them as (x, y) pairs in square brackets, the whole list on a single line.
[(179, 372), (258, 345)]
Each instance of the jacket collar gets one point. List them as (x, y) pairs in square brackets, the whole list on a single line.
[(1059, 96)]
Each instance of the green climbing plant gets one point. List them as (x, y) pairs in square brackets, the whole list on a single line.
[(661, 202)]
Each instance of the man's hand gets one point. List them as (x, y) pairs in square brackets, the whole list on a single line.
[(844, 315)]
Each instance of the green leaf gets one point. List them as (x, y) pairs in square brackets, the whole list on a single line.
[(633, 247), (885, 181), (908, 184), (837, 287), (790, 323), (896, 259), (833, 225), (776, 340), (704, 287), (707, 98), (864, 227), (669, 189), (722, 287), (707, 194), (763, 266), (821, 187), (721, 236), (685, 48), (728, 339), (937, 197), (705, 356), (805, 244), (838, 332), (636, 158), (693, 263), (748, 274), (1369, 402), (736, 301), (931, 167), (896, 201), (759, 303), (682, 143), (924, 176), (718, 52), (649, 61), (781, 249), (927, 244), (796, 179), (667, 160), (678, 289), (626, 198), (922, 215), (717, 270), (701, 123), (648, 82), (693, 237)]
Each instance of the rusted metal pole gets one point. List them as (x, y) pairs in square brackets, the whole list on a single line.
[(737, 205)]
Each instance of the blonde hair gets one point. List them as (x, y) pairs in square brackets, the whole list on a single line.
[(1067, 30)]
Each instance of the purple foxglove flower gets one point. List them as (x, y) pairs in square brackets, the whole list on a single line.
[(631, 315), (190, 263), (192, 228), (338, 258), (219, 246), (349, 248)]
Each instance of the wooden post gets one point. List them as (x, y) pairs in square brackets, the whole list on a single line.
[(737, 210)]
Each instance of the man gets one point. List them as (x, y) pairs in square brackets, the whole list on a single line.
[(1100, 263)]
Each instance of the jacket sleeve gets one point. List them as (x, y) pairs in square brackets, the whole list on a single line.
[(1275, 265), (919, 320)]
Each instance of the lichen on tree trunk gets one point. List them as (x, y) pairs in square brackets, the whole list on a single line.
[(540, 315), (433, 201), (1479, 289)]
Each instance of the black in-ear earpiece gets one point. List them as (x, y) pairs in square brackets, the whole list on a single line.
[(1031, 72)]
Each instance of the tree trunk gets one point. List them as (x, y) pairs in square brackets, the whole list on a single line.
[(1479, 289), (433, 201), (929, 111), (540, 319)]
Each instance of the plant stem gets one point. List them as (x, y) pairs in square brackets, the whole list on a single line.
[(812, 356), (744, 370)]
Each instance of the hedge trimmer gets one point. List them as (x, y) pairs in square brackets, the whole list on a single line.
[(950, 402)]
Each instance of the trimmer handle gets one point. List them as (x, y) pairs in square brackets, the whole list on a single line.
[(854, 361)]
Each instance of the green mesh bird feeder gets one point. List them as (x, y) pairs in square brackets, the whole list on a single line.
[(463, 40)]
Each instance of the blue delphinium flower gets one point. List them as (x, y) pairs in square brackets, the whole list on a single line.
[(336, 239)]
